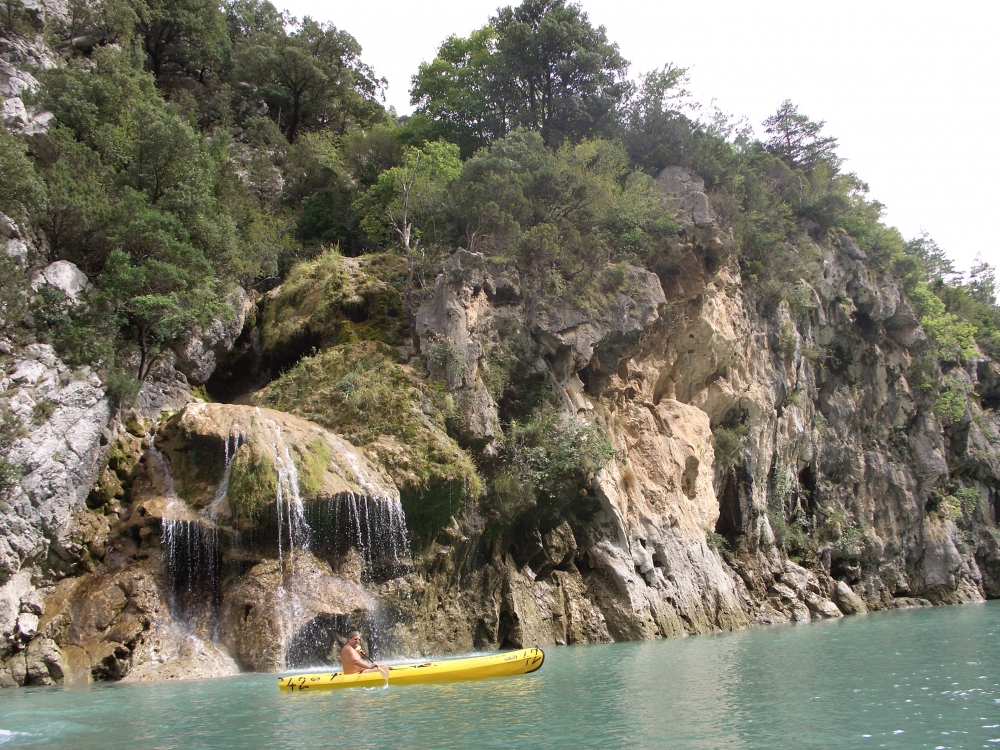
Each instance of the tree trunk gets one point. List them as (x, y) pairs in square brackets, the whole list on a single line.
[(411, 313)]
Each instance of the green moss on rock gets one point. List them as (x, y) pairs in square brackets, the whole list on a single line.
[(311, 465), (253, 485), (334, 300), (364, 394)]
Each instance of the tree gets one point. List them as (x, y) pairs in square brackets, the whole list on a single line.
[(152, 304), (75, 220), (567, 79), (247, 18), (796, 139), (982, 282), (104, 22), (312, 79), (541, 66), (405, 197), (461, 91), (20, 189), (183, 37)]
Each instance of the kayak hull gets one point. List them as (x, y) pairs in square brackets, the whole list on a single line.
[(473, 668)]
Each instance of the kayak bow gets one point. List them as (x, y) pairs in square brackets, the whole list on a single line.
[(472, 668)]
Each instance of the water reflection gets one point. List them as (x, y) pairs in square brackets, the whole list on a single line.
[(899, 679)]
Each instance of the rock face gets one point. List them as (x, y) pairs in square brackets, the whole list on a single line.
[(199, 352), (63, 412), (680, 542)]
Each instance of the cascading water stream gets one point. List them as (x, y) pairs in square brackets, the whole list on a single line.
[(221, 499), (192, 547), (371, 521)]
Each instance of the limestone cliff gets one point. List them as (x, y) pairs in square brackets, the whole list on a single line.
[(764, 463), (832, 495)]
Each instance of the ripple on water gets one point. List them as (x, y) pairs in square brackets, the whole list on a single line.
[(882, 680), (6, 736)]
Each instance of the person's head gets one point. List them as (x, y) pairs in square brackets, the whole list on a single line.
[(353, 638)]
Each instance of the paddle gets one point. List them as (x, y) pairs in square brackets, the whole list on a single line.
[(382, 670)]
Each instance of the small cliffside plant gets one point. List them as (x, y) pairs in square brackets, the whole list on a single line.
[(547, 460), (10, 477), (729, 444)]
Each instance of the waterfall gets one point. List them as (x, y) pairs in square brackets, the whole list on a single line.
[(192, 556), (221, 499), (292, 525), (369, 519), (376, 526), (192, 547)]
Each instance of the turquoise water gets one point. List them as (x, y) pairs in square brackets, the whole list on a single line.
[(917, 678)]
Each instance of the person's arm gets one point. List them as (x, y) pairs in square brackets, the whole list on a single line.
[(356, 659)]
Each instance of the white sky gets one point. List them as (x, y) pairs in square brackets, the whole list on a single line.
[(909, 87)]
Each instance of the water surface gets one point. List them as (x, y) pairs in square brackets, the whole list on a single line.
[(908, 679)]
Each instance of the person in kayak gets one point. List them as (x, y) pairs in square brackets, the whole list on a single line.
[(354, 660)]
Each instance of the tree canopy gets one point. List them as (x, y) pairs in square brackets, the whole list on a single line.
[(196, 146), (540, 65), (796, 139), (311, 79)]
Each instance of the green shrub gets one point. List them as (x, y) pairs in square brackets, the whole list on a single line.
[(10, 477), (547, 460), (122, 387), (444, 357), (953, 401), (716, 542), (787, 338), (729, 444)]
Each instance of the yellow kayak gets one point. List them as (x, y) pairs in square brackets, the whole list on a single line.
[(473, 668)]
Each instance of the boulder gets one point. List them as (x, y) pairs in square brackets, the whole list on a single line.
[(822, 608), (43, 662), (199, 352), (27, 624), (64, 276), (13, 112), (11, 595), (848, 601)]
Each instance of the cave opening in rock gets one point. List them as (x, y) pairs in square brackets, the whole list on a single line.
[(865, 323), (807, 491), (242, 370)]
